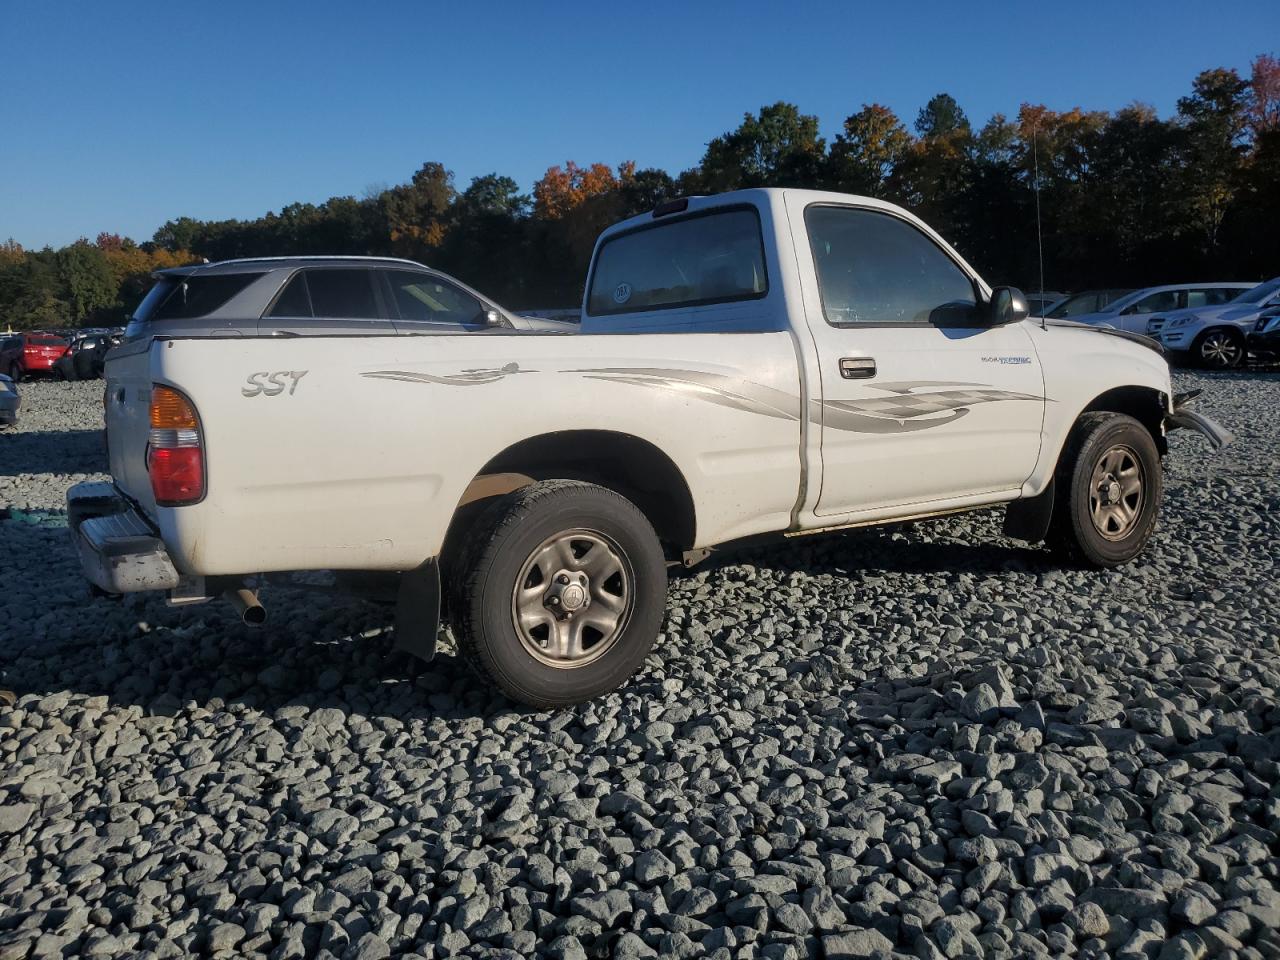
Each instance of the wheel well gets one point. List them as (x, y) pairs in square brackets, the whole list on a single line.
[(1144, 404), (626, 464), (1234, 331)]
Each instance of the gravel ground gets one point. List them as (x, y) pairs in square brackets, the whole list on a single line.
[(924, 741)]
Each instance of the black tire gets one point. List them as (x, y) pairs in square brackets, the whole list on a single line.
[(1085, 525), (1219, 348), (499, 556)]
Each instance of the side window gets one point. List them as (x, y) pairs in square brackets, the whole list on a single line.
[(875, 268), (1156, 302), (294, 301), (423, 297), (343, 294)]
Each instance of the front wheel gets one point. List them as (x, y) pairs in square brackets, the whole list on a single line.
[(1219, 349), (1109, 486), (559, 593)]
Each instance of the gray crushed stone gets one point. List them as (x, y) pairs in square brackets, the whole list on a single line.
[(922, 741)]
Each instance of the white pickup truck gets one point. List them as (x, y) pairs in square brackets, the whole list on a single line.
[(765, 362)]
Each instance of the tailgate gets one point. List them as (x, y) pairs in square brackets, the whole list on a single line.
[(127, 411)]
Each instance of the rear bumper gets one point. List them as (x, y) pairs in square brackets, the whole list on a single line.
[(119, 550), (9, 404)]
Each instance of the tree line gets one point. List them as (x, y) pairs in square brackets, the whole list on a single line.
[(1125, 199)]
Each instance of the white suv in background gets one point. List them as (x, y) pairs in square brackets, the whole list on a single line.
[(1134, 312), (1215, 337)]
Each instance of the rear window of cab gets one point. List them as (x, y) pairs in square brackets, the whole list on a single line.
[(704, 258)]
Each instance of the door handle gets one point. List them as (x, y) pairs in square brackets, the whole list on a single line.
[(857, 368)]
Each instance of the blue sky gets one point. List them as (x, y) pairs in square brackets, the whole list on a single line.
[(120, 116)]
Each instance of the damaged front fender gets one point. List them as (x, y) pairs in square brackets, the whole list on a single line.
[(1183, 416)]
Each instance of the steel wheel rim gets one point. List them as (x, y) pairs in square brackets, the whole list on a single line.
[(573, 598), (1117, 491), (1220, 349)]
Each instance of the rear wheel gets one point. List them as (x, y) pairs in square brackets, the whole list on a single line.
[(1219, 349), (558, 595), (1109, 486)]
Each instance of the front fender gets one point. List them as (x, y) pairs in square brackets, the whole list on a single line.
[(1183, 416), (1083, 365)]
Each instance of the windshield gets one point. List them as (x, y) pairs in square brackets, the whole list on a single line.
[(1260, 293)]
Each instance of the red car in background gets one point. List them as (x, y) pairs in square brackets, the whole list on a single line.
[(28, 353)]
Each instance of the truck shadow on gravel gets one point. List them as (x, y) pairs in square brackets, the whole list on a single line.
[(331, 650), (52, 451), (895, 548)]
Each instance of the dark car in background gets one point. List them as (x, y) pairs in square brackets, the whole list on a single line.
[(86, 357), (1264, 338), (26, 353), (10, 401)]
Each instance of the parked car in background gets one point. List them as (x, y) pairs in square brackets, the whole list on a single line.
[(26, 353), (10, 401), (85, 358), (1134, 311), (1264, 339), (1084, 303), (1041, 303), (316, 296), (1217, 336)]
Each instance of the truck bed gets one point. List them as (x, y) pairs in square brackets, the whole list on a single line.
[(353, 452)]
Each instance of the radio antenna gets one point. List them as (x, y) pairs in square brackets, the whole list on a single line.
[(1035, 155)]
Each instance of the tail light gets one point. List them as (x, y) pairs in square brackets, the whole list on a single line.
[(175, 457)]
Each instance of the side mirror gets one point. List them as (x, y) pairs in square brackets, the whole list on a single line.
[(1007, 305), (495, 319)]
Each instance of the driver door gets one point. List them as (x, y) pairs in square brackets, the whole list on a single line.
[(920, 401)]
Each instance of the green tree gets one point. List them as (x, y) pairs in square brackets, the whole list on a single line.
[(486, 244), (417, 213), (934, 173), (866, 152), (941, 117), (86, 279), (492, 195), (1214, 121), (779, 146), (39, 310), (180, 234)]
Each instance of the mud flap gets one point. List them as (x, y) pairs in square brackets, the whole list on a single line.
[(1028, 518), (418, 611)]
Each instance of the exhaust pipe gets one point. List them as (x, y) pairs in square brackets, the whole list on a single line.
[(252, 613)]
